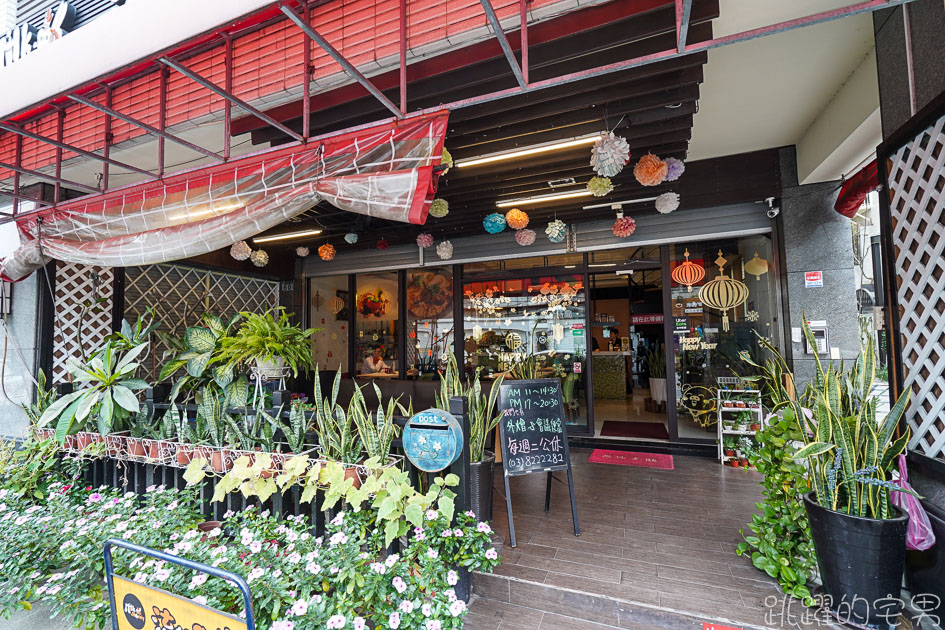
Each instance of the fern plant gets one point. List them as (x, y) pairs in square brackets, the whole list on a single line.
[(263, 337)]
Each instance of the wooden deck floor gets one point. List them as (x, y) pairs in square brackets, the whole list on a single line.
[(657, 549)]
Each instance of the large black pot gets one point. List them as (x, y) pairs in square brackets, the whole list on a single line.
[(861, 562), (480, 486)]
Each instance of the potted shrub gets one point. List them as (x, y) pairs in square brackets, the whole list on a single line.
[(483, 418), (656, 360), (728, 447), (337, 438), (859, 535), (270, 343)]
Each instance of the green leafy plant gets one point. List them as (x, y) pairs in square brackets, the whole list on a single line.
[(528, 368), (263, 337), (28, 470), (481, 407), (376, 431), (44, 398), (204, 371), (656, 362), (336, 433), (104, 398)]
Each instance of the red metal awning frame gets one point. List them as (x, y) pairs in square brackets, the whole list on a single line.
[(288, 8)]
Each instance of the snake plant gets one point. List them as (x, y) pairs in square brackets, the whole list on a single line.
[(336, 434)]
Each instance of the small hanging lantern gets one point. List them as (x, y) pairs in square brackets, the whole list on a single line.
[(687, 273), (674, 169), (756, 266), (623, 226), (439, 208), (326, 251), (556, 231), (723, 293), (609, 154), (259, 258), (600, 186), (383, 244), (424, 240), (650, 170), (447, 161), (240, 250), (516, 219), (525, 237), (444, 250), (302, 252), (335, 305), (351, 238), (667, 202)]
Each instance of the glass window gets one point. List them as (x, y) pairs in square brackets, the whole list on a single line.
[(429, 319), (328, 310), (729, 303), (556, 260), (376, 317), (538, 320)]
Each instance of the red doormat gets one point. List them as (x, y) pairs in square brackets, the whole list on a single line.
[(629, 458), (651, 430)]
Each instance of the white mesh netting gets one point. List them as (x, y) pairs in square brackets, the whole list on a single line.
[(384, 171)]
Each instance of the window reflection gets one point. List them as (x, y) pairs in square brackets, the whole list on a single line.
[(328, 311), (376, 316), (429, 320)]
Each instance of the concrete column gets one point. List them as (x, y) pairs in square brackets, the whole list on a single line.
[(816, 238)]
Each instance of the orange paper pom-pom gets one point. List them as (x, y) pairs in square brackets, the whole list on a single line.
[(326, 251), (650, 170), (516, 219)]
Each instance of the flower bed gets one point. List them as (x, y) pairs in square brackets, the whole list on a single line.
[(51, 553)]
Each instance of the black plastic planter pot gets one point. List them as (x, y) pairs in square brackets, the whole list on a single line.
[(480, 487), (861, 562)]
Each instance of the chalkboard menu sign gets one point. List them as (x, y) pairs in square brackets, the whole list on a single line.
[(533, 437)]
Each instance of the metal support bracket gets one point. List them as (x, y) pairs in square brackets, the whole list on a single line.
[(683, 16), (504, 43), (50, 178), (342, 61), (193, 76), (137, 123), (69, 147)]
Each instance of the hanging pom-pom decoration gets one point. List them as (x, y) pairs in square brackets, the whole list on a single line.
[(259, 258), (609, 155), (494, 223), (326, 251), (667, 202), (351, 238), (516, 219), (650, 170), (444, 250), (439, 208), (424, 239), (383, 244), (447, 161), (600, 186), (240, 250), (624, 227), (674, 169), (557, 231), (302, 252), (525, 237)]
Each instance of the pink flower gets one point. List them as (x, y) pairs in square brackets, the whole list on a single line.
[(427, 610), (393, 621), (283, 625), (399, 584), (359, 623), (452, 578), (95, 497), (491, 553), (433, 624), (336, 621), (255, 546), (457, 608), (299, 608), (406, 606), (484, 528), (200, 599)]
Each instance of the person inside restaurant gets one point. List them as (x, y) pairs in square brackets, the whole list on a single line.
[(374, 362)]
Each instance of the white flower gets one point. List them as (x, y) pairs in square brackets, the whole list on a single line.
[(359, 623), (457, 608), (313, 568), (394, 620), (255, 546), (432, 514), (200, 599), (432, 624), (283, 625), (426, 609), (398, 583), (191, 533), (432, 553), (338, 538), (484, 528), (336, 621), (406, 606), (294, 558), (254, 574), (299, 608), (161, 574), (216, 551), (378, 567), (391, 560), (491, 553), (197, 580), (452, 578)]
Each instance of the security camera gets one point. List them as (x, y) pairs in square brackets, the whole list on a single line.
[(773, 210)]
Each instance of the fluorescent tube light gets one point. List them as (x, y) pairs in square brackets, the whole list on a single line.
[(543, 198), (288, 235), (546, 147), (603, 265)]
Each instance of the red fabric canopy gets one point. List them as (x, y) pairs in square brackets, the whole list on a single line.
[(855, 189), (384, 171)]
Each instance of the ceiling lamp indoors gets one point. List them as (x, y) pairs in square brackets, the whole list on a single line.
[(543, 198), (286, 236), (537, 149)]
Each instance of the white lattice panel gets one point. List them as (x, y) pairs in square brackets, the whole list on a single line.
[(917, 208), (83, 300), (180, 295)]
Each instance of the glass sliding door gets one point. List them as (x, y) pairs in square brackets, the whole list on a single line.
[(531, 327)]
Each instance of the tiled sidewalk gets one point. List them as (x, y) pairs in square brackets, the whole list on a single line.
[(651, 540)]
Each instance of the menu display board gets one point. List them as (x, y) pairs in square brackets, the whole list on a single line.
[(533, 437)]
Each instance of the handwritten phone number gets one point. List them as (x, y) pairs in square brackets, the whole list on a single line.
[(527, 461)]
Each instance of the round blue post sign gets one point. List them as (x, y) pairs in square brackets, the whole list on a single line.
[(433, 439)]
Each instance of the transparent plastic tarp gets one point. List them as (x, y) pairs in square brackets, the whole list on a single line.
[(384, 171)]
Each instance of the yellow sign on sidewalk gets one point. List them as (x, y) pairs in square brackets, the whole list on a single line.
[(138, 606)]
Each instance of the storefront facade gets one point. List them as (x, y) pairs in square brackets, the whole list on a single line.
[(604, 315)]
